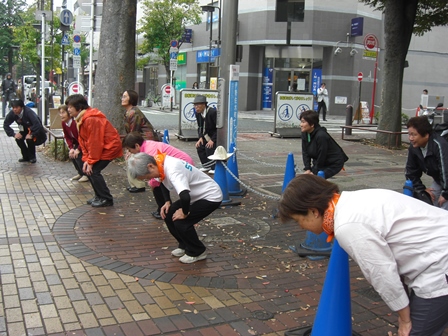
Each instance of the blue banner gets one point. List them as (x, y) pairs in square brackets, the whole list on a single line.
[(202, 56), (317, 81), (267, 88), (233, 113)]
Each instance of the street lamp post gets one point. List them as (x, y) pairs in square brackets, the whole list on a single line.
[(209, 9)]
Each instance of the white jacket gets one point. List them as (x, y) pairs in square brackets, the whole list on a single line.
[(322, 94), (390, 234)]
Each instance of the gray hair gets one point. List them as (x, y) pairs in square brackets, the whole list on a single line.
[(138, 164)]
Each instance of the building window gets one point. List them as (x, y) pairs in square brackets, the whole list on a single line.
[(289, 10)]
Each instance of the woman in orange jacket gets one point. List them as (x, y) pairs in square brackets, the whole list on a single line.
[(100, 144)]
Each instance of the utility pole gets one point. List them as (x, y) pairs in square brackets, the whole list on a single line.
[(227, 58)]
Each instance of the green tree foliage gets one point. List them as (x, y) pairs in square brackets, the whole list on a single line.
[(27, 38), (402, 18), (9, 19), (163, 22)]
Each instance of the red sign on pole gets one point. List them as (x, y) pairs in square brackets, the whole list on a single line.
[(370, 42), (360, 76), (168, 89)]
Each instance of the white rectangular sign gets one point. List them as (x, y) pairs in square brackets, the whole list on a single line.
[(76, 62)]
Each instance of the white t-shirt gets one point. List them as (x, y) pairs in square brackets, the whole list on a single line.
[(180, 176), (391, 234)]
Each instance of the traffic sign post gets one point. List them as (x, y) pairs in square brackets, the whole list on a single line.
[(370, 43), (358, 114)]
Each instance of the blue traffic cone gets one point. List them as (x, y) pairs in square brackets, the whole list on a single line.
[(408, 188), (334, 315), (221, 179), (290, 171), (233, 184), (166, 137)]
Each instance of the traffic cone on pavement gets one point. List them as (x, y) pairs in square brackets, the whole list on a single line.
[(290, 171), (232, 183), (334, 313), (166, 137)]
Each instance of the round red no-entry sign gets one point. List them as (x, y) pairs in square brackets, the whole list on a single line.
[(168, 89), (360, 76), (75, 88), (370, 42)]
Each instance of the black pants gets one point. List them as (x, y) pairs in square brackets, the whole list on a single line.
[(204, 153), (27, 147), (429, 316), (323, 106), (78, 164), (97, 181), (184, 231)]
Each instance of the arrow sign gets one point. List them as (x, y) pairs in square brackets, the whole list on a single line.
[(66, 17), (65, 41)]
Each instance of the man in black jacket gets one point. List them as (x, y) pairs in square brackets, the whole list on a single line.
[(207, 132), (428, 153), (31, 132), (9, 92)]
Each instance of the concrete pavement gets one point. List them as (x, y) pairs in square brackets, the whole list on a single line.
[(69, 269)]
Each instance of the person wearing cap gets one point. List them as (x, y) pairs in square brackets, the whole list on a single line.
[(9, 92), (391, 236), (199, 195), (31, 132), (207, 132)]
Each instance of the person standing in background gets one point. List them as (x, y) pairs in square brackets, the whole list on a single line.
[(135, 121), (9, 92), (195, 86), (322, 100)]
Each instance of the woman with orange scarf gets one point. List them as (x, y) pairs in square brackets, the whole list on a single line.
[(199, 196), (390, 236)]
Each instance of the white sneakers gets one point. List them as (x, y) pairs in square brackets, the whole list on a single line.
[(80, 178), (211, 171), (204, 169), (178, 252), (186, 259)]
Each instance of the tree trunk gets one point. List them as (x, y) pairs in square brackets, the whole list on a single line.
[(399, 17), (116, 58)]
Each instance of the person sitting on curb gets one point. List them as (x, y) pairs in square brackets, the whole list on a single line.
[(31, 131), (207, 132), (100, 144), (70, 130), (135, 143), (428, 153), (199, 196)]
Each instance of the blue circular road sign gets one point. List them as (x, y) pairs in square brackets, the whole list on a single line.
[(66, 17)]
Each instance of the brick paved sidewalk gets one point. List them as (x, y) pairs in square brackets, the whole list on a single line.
[(70, 269)]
